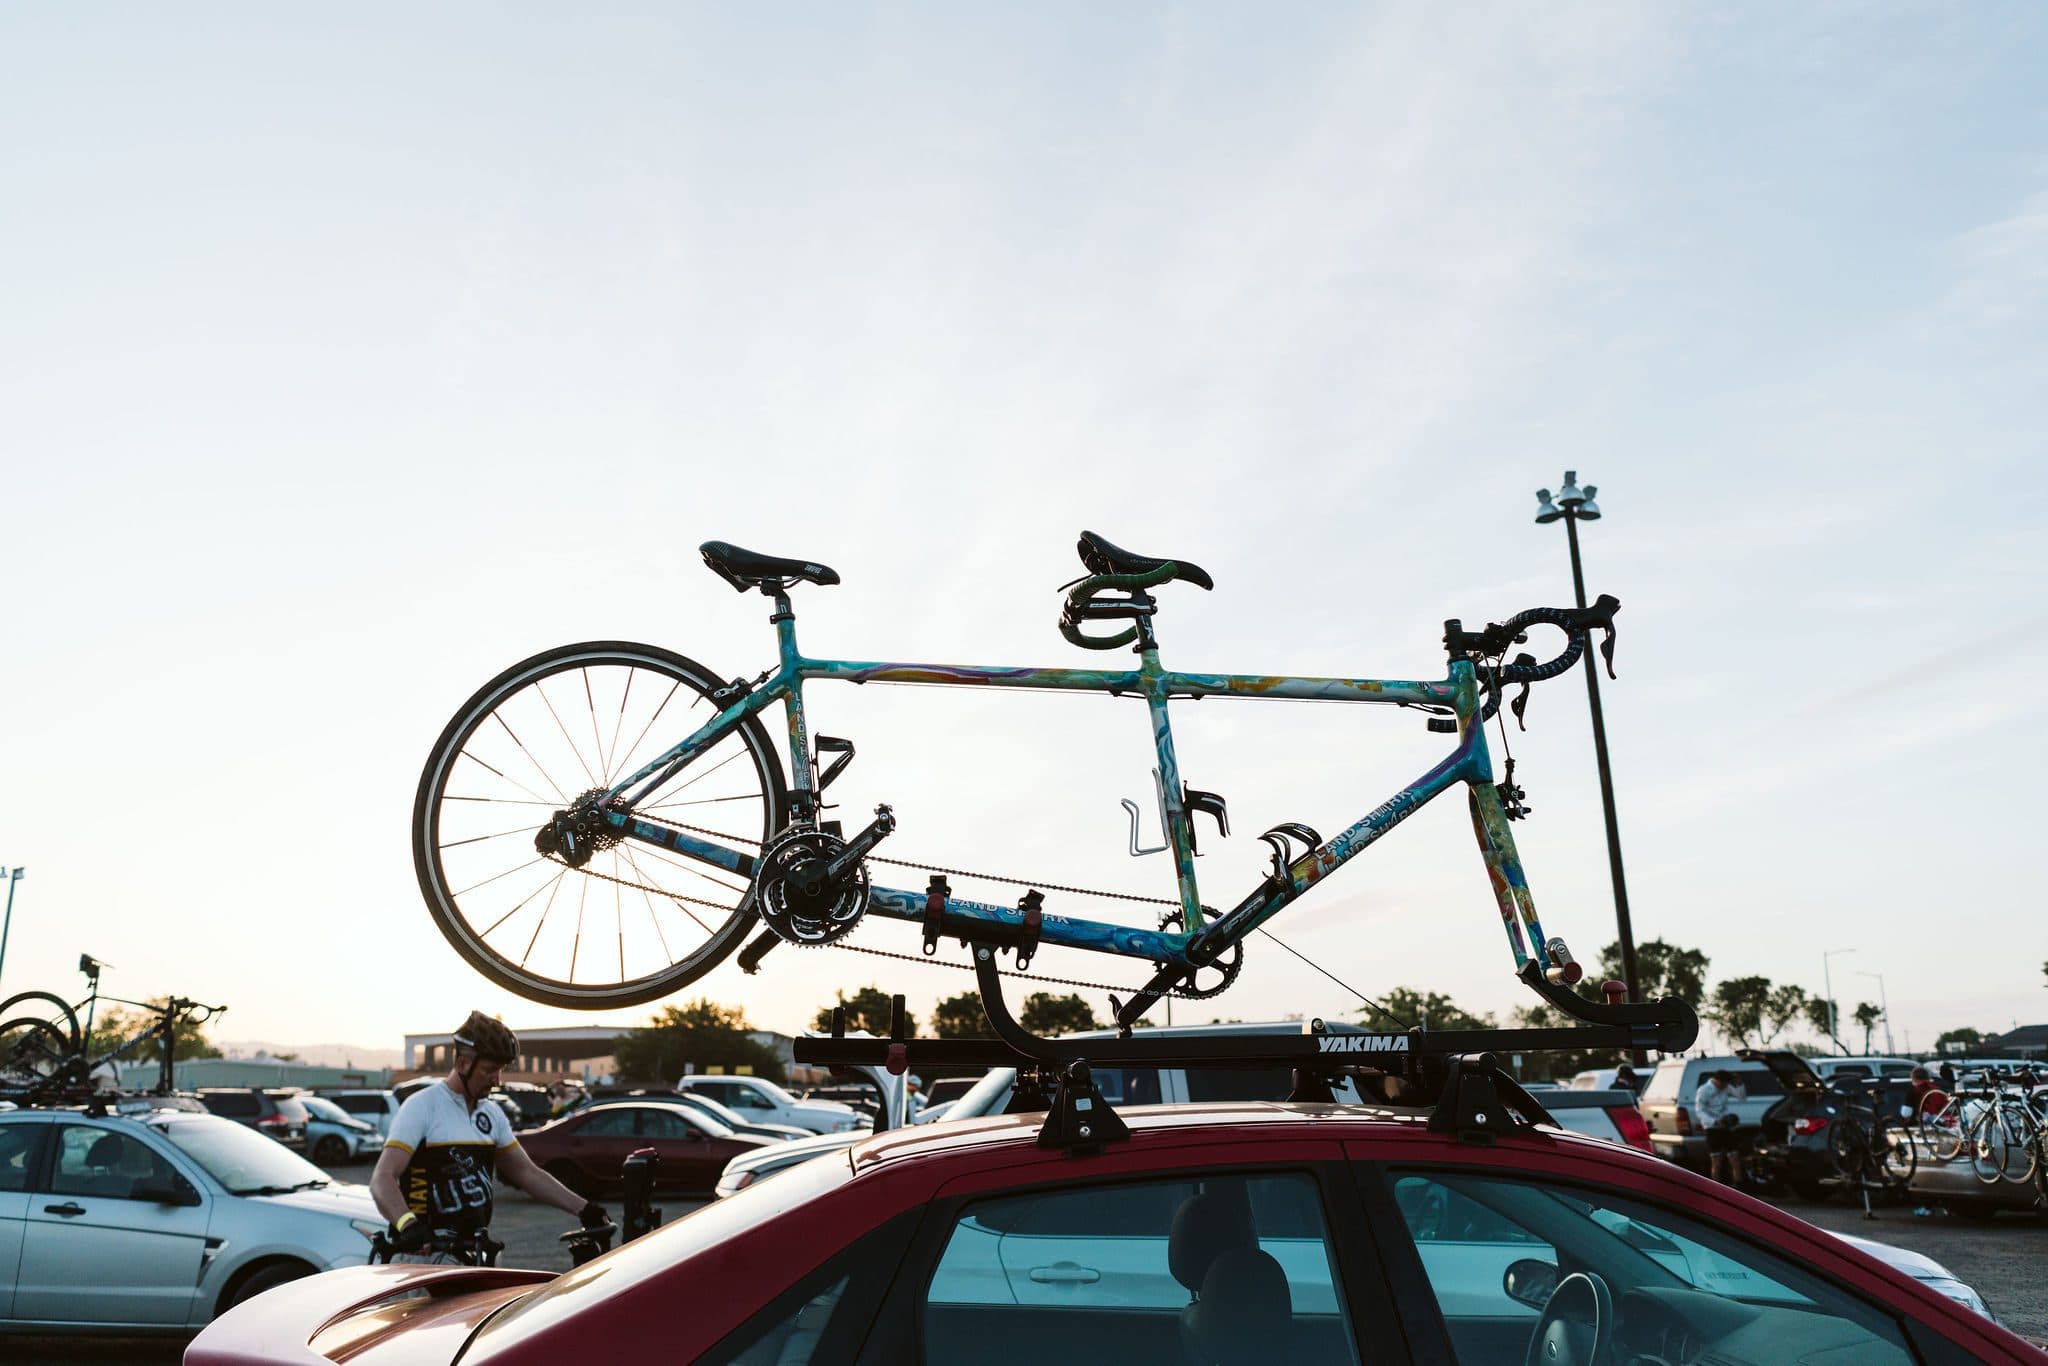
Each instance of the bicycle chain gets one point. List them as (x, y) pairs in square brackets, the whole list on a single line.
[(1182, 992)]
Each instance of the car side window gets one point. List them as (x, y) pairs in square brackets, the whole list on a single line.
[(1514, 1263), (746, 1098), (665, 1124), (1210, 1268), (104, 1164), (609, 1123), (17, 1153), (233, 1105)]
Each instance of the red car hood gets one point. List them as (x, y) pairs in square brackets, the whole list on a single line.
[(360, 1313)]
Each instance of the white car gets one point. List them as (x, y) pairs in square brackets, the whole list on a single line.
[(157, 1222), (375, 1108), (757, 1098)]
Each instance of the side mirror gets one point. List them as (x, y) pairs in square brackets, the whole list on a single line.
[(1530, 1282), (164, 1192)]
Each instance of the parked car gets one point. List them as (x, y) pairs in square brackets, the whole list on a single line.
[(1666, 1103), (404, 1090), (334, 1136), (1230, 1232), (375, 1108), (281, 1118), (1828, 1068), (757, 1098), (932, 1114), (525, 1104), (947, 1088), (157, 1221), (704, 1105), (586, 1151)]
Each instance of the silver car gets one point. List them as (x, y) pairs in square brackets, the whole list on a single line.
[(158, 1221)]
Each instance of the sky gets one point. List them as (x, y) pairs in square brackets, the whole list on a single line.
[(348, 356)]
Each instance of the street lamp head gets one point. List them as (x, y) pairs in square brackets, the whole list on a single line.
[(1589, 511), (1546, 513), (1569, 496)]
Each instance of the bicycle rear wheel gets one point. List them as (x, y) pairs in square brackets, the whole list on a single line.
[(1897, 1160), (1941, 1140), (51, 1008), (635, 923), (32, 1052)]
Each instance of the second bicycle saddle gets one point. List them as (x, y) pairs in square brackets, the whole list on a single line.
[(1101, 557)]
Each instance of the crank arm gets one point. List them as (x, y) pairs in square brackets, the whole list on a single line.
[(857, 848)]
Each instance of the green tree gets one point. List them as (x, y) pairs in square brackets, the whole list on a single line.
[(117, 1025), (866, 1009), (1825, 1016), (703, 1035), (961, 1017), (1662, 969), (1406, 1006), (1867, 1015), (1962, 1041), (1048, 1015), (1737, 1007)]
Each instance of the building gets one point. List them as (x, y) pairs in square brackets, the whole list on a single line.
[(2028, 1041)]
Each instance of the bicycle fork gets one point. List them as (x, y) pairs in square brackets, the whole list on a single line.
[(1511, 888)]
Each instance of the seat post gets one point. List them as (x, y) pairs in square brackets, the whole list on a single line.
[(783, 619)]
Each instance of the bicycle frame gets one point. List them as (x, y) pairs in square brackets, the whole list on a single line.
[(1200, 940)]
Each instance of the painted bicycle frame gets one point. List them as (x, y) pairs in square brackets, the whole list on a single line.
[(1200, 940)]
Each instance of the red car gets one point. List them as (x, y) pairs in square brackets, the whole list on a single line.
[(586, 1151), (1261, 1233)]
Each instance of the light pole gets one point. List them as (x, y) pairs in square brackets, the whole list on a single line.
[(1883, 1005), (1828, 984), (1575, 505), (13, 876)]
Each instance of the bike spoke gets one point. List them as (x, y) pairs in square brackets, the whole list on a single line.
[(549, 702)]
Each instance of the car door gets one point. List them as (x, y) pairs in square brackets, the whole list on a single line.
[(1178, 1264), (20, 1143), (688, 1156), (601, 1144), (92, 1252)]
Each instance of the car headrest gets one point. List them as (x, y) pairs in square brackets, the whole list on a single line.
[(1205, 1226)]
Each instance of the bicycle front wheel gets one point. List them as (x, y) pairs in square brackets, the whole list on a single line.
[(1942, 1136), (49, 1007), (635, 923)]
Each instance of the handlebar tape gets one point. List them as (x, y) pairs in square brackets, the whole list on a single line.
[(1082, 594)]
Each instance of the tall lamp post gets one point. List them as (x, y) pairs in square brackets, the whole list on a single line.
[(1575, 505), (1883, 1005), (13, 876), (1828, 984)]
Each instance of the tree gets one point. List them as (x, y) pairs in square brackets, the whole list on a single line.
[(1406, 1006), (1825, 1017), (1962, 1041), (867, 1009), (118, 1025), (702, 1035), (1737, 1007), (1868, 1015), (1662, 969), (1046, 1015), (960, 1017)]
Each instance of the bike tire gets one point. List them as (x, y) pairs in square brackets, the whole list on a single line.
[(32, 1051), (64, 1017), (1988, 1147), (1897, 1160), (1942, 1141), (542, 771)]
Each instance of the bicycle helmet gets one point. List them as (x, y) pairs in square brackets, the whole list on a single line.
[(487, 1038)]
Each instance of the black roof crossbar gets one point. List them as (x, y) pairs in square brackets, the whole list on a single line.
[(1458, 1066)]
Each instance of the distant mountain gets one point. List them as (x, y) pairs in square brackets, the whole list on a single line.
[(318, 1054)]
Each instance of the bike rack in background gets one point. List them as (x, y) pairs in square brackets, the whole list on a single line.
[(1459, 1068)]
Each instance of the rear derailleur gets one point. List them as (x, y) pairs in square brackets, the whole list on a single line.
[(577, 832)]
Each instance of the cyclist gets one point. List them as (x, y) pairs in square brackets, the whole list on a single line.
[(446, 1143)]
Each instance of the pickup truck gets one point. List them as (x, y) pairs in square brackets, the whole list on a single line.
[(758, 1099)]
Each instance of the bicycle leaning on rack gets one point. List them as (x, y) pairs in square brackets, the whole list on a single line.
[(604, 823)]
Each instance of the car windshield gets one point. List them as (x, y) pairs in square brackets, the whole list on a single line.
[(321, 1108), (775, 1093), (246, 1162), (705, 1104)]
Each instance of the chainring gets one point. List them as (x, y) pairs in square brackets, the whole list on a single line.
[(792, 901), (1229, 969)]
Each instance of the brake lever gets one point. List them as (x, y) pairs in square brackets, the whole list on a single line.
[(1521, 700), (1607, 648)]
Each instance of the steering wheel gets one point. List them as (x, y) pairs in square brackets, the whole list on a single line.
[(1577, 1325)]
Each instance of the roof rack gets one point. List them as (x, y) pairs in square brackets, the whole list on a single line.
[(1458, 1066)]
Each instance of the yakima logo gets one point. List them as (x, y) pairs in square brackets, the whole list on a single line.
[(1362, 1043)]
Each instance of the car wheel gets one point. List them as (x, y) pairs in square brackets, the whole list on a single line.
[(570, 1175), (330, 1151), (262, 1279), (1811, 1190)]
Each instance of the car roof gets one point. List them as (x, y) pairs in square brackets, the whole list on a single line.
[(1219, 1123)]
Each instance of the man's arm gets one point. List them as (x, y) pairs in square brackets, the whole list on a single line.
[(384, 1189), (521, 1170)]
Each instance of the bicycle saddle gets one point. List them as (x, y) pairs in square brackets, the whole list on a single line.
[(1101, 557), (745, 569)]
